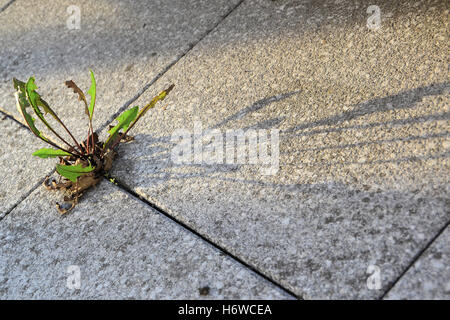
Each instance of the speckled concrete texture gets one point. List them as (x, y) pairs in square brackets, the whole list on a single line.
[(363, 114), (126, 43), (122, 249), (362, 182), (429, 277), (20, 171)]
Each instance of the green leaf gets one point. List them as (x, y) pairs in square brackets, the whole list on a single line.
[(124, 120), (26, 95), (92, 92), (31, 91), (50, 153), (74, 171), (35, 100), (42, 103), (161, 96), (22, 105)]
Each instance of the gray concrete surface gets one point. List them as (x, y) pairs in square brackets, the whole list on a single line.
[(126, 43), (429, 277), (363, 114), (123, 249), (364, 147), (20, 171)]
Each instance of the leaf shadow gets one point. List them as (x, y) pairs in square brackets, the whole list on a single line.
[(157, 158)]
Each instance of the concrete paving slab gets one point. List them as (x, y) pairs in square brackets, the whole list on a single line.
[(364, 143), (120, 248), (429, 277), (20, 171), (126, 43)]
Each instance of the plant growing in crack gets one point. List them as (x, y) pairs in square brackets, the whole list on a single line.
[(81, 165)]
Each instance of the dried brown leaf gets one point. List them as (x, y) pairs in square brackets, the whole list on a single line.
[(71, 85)]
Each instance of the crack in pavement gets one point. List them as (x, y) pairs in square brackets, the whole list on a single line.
[(183, 225), (133, 194), (414, 260), (6, 6), (129, 102), (167, 68)]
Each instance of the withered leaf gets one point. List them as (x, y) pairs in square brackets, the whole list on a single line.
[(71, 85)]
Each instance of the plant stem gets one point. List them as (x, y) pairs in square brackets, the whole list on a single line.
[(63, 140), (92, 135), (149, 105), (70, 134)]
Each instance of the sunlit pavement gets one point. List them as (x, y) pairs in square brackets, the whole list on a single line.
[(355, 204)]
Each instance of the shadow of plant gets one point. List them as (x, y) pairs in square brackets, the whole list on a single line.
[(156, 156)]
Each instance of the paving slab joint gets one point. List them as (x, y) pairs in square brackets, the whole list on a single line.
[(167, 68), (6, 115), (6, 6), (26, 195), (414, 260), (133, 194)]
